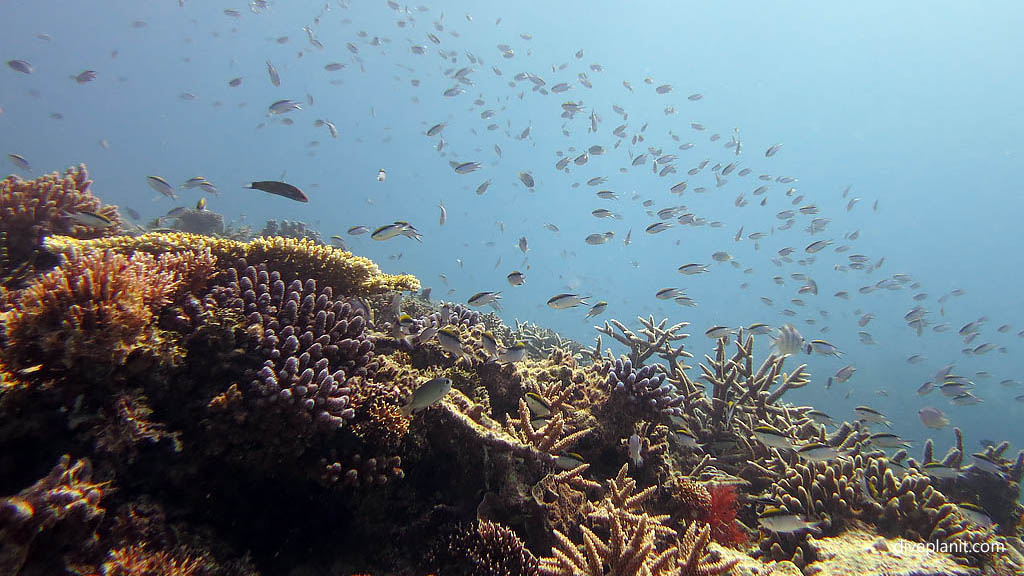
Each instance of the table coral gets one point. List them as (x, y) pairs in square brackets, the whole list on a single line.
[(295, 259), (33, 209)]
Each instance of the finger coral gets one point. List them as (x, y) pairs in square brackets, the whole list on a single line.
[(646, 385), (311, 344), (295, 259), (488, 549), (33, 209)]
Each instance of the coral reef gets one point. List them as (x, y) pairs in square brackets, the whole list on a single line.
[(195, 221), (291, 229), (294, 259), (33, 209), (209, 388)]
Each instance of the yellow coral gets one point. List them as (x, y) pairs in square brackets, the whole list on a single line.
[(346, 273)]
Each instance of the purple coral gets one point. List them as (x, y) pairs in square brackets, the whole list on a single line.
[(312, 344), (460, 315), (645, 384)]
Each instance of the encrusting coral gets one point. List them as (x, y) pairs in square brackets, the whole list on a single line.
[(33, 209), (295, 259)]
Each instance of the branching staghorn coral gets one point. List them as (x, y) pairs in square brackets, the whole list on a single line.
[(657, 340), (551, 437), (996, 493), (98, 307), (540, 341), (637, 543), (628, 550), (342, 271), (737, 389), (33, 209)]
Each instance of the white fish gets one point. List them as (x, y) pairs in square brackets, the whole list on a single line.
[(444, 213), (634, 450)]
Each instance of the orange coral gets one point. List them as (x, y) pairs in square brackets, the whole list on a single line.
[(32, 209), (138, 561), (86, 316)]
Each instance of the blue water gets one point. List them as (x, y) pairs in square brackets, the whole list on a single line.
[(913, 105)]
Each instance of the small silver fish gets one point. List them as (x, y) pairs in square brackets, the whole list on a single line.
[(275, 78), (19, 162), (565, 301), (162, 186), (20, 66), (467, 167), (484, 298), (634, 446), (596, 310), (283, 107), (427, 394), (90, 219)]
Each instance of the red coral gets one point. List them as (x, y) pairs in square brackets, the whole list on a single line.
[(721, 516)]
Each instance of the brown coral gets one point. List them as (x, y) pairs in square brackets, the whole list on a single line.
[(87, 316), (33, 209)]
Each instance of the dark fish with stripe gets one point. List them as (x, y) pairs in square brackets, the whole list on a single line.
[(279, 189)]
